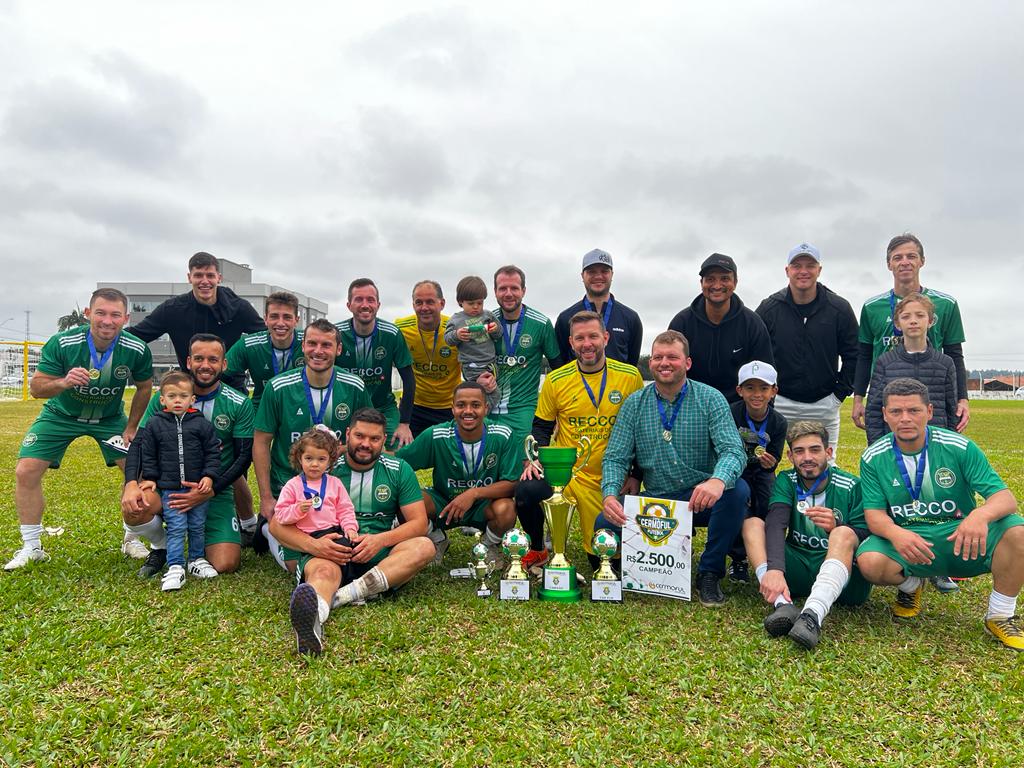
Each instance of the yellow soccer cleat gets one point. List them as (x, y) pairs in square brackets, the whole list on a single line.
[(907, 604), (1007, 630)]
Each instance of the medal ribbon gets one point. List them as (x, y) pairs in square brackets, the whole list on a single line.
[(760, 430), (606, 315), (316, 414), (286, 360), (202, 400), (666, 421), (802, 495), (366, 353), (479, 453), (310, 491), (915, 493), (99, 361), (429, 355), (590, 392), (512, 342)]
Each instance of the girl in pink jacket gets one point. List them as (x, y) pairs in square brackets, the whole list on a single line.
[(315, 501)]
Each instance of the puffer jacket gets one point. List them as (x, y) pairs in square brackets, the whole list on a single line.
[(932, 368), (173, 450)]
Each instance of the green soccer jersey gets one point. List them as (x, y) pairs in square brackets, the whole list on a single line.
[(519, 359), (102, 397), (255, 354), (230, 412), (842, 494), (460, 466), (876, 326), (372, 358), (954, 470), (380, 493), (288, 409)]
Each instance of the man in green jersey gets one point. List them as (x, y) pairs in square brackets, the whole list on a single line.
[(388, 551), (821, 508), (527, 337), (475, 466), (83, 373), (919, 486), (295, 401), (370, 348), (905, 257), (232, 415)]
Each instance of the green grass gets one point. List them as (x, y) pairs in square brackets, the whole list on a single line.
[(97, 668)]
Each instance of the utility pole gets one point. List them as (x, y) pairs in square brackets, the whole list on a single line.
[(28, 335)]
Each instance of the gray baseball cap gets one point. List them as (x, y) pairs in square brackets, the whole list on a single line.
[(597, 256)]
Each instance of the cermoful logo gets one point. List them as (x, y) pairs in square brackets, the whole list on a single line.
[(944, 477), (657, 521)]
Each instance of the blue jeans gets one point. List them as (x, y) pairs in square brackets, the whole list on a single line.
[(723, 521), (176, 523)]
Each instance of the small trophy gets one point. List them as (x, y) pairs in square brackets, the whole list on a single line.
[(516, 584), (481, 569), (605, 587), (558, 465)]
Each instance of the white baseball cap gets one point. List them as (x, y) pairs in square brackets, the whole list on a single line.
[(804, 249), (755, 369)]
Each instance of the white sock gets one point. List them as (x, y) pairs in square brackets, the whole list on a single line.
[(275, 548), (490, 537), (247, 523), (781, 600), (153, 532), (910, 584), (760, 571), (1001, 606), (322, 608), (833, 576), (371, 583), (31, 535)]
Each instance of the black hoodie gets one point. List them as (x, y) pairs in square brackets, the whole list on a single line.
[(718, 351)]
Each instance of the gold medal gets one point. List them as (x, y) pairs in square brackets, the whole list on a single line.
[(759, 451), (94, 374)]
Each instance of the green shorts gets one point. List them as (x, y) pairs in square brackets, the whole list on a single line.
[(49, 437), (802, 568), (476, 517), (945, 562), (348, 574), (221, 521)]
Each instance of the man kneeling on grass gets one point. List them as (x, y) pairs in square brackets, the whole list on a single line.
[(389, 549), (919, 486), (821, 507)]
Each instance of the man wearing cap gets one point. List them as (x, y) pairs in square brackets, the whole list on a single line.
[(625, 331), (722, 332), (812, 329)]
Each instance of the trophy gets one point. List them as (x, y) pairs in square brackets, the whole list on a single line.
[(481, 569), (557, 464), (516, 584), (605, 587)]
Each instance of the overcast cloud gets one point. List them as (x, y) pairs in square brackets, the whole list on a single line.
[(404, 141)]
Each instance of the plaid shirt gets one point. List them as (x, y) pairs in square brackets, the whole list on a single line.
[(705, 443)]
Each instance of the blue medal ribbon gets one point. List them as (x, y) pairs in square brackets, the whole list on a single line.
[(512, 342), (98, 361), (606, 315), (367, 346), (802, 495), (590, 392), (479, 453), (309, 493), (670, 421), (914, 489), (316, 414), (286, 361), (202, 400), (429, 355), (760, 430)]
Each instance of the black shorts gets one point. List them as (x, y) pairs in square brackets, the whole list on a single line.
[(423, 417)]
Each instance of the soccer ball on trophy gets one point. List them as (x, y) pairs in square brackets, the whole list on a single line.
[(605, 544), (515, 543)]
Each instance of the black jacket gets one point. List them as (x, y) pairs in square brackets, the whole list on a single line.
[(718, 351), (625, 332), (163, 459), (931, 367), (181, 317), (807, 352)]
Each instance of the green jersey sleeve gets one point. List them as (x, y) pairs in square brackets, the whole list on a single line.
[(268, 417), (872, 494), (981, 478), (408, 486), (51, 360), (244, 420), (783, 491)]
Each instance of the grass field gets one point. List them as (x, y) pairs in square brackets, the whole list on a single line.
[(97, 668)]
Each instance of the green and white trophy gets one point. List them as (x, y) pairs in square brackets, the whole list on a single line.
[(605, 587), (516, 583), (558, 465)]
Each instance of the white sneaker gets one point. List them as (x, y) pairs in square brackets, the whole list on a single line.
[(133, 547), (24, 556), (201, 569), (173, 579), (117, 443)]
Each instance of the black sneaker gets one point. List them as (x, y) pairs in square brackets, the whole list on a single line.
[(739, 571), (153, 564), (305, 615), (259, 542), (806, 630), (247, 535), (781, 620), (709, 590)]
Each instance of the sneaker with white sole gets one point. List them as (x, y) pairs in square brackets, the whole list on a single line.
[(174, 579), (134, 548), (944, 584), (440, 539), (305, 616), (24, 556), (201, 569), (117, 443)]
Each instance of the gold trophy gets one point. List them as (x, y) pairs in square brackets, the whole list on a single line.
[(481, 569), (516, 583), (558, 465), (605, 587)]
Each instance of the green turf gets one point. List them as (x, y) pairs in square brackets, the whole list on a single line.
[(97, 668)]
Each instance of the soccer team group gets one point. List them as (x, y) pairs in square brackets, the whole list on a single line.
[(335, 455)]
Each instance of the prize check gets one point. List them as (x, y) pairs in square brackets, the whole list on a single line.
[(656, 544)]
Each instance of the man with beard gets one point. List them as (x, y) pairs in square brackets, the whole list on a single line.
[(370, 349), (231, 414), (384, 555), (822, 510), (295, 401)]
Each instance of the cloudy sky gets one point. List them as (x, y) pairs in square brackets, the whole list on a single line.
[(404, 141)]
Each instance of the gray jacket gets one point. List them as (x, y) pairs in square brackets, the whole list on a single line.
[(931, 367)]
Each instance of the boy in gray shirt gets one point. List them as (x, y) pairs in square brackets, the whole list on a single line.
[(473, 332)]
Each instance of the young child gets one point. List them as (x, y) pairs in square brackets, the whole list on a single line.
[(763, 433), (179, 446), (473, 332), (916, 359)]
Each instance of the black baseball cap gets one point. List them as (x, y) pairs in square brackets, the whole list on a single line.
[(718, 261)]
